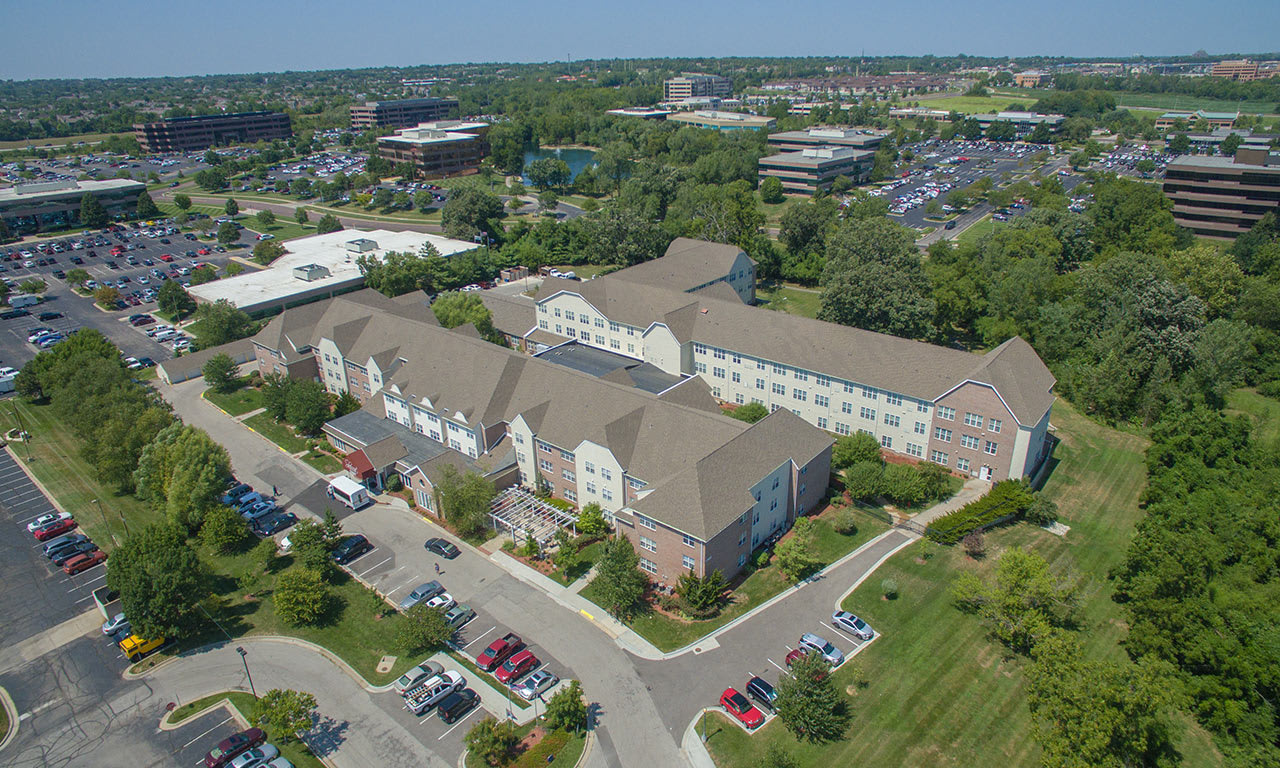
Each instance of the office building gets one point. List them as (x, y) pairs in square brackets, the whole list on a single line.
[(692, 488), (644, 113), (918, 113), (33, 207), (984, 416), (723, 121), (814, 168), (1238, 69), (1222, 197), (1030, 79), (439, 149), (185, 134), (1214, 119), (826, 136), (692, 85), (1022, 122), (400, 112), (317, 267)]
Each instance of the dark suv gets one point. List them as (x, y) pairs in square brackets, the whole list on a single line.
[(457, 704), (350, 548), (762, 692)]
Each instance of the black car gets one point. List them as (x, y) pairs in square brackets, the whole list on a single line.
[(350, 548), (66, 553), (12, 313), (271, 524), (49, 315), (146, 361), (457, 704), (442, 547), (762, 692)]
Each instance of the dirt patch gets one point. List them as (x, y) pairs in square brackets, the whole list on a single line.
[(531, 739)]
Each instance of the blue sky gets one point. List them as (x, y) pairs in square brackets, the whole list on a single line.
[(79, 38)]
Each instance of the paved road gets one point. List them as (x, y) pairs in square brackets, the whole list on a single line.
[(286, 211)]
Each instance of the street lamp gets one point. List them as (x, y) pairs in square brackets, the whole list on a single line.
[(243, 654)]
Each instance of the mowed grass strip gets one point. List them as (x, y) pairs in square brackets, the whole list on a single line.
[(789, 299), (280, 434), (294, 751), (939, 691)]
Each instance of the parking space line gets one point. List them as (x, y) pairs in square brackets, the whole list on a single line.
[(482, 634), (361, 556), (206, 733), (833, 629), (460, 722), (87, 583), (362, 573)]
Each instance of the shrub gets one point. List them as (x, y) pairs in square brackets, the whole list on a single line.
[(904, 485), (1042, 511), (394, 485), (851, 449), (844, 522), (890, 588), (1270, 389), (1009, 497), (762, 558), (864, 480), (975, 545), (591, 521)]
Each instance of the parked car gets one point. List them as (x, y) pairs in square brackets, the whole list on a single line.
[(536, 684), (57, 528), (516, 667), (234, 495), (737, 705), (48, 519), (830, 654), (416, 676), (499, 651), (421, 592), (258, 510), (442, 547), (444, 601), (54, 546), (233, 745), (762, 692), (457, 704), (274, 523), (66, 554), (847, 622), (256, 757), (350, 548), (433, 692), (114, 624), (82, 563), (459, 615)]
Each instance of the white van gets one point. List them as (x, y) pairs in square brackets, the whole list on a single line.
[(349, 492)]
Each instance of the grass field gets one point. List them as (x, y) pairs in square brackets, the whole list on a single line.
[(56, 462), (236, 403), (1263, 411), (1160, 101), (971, 105), (294, 751), (940, 692), (980, 229), (84, 137), (283, 229), (668, 634), (322, 462), (795, 301), (280, 434)]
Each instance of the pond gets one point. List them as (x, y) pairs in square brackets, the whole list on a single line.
[(576, 159)]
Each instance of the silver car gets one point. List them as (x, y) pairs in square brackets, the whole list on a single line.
[(847, 622), (421, 592), (418, 674), (536, 684), (830, 653)]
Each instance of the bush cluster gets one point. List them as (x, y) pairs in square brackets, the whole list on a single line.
[(1010, 497)]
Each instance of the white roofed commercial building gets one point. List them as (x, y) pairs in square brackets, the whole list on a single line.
[(317, 267), (441, 148), (45, 205)]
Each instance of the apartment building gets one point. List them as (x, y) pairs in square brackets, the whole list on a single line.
[(439, 149), (42, 206), (1222, 197), (694, 489), (399, 113), (826, 136), (984, 416), (1237, 69), (184, 134), (815, 168), (691, 85)]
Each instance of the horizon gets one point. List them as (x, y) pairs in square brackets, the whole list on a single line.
[(143, 41)]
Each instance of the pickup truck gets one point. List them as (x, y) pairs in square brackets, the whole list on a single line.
[(499, 651), (426, 695)]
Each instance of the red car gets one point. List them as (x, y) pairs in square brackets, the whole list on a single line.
[(83, 562), (54, 529), (499, 651), (231, 746), (798, 654), (738, 706), (516, 667), (166, 257)]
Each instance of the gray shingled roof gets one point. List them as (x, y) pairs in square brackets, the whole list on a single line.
[(512, 315), (686, 265), (715, 490)]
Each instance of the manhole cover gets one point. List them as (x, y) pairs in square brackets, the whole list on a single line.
[(385, 665)]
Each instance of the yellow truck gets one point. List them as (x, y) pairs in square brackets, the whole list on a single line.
[(134, 647)]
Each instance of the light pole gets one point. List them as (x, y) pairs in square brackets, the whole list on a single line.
[(103, 515), (243, 657)]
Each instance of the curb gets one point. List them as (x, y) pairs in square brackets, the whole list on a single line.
[(360, 680), (235, 713), (588, 742), (912, 538), (12, 711)]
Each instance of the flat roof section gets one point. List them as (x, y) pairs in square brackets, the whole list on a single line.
[(601, 364), (48, 189)]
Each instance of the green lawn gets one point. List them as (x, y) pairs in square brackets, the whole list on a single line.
[(668, 634), (295, 751), (283, 229), (970, 105), (56, 462), (941, 693), (980, 229), (280, 434), (564, 748), (796, 301), (586, 271), (87, 138), (587, 557), (323, 462), (236, 403)]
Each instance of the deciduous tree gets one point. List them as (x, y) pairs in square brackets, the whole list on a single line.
[(809, 704), (423, 630), (159, 578), (874, 280), (301, 596), (286, 712), (619, 583), (220, 373)]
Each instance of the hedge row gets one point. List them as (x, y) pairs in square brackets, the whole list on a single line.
[(1009, 497)]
